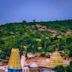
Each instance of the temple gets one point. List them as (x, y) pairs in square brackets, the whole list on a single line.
[(14, 61), (55, 60)]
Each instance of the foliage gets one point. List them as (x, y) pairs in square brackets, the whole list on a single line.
[(69, 68), (35, 36), (59, 69)]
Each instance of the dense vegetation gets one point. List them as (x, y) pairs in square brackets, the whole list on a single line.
[(41, 37), (60, 68)]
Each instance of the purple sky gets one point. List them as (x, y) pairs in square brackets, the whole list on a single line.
[(41, 10)]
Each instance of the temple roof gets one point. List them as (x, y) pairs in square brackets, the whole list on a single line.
[(14, 61), (55, 60)]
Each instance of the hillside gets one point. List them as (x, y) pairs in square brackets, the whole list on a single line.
[(33, 37)]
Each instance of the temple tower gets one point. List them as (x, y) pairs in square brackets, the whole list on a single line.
[(14, 61)]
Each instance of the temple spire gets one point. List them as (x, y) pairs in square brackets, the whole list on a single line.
[(14, 61)]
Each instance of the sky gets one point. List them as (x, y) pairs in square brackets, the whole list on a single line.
[(39, 10)]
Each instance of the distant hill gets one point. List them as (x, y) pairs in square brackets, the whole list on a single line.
[(36, 36)]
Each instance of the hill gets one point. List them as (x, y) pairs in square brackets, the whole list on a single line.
[(33, 37)]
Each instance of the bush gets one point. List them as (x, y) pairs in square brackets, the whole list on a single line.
[(71, 63), (69, 69), (59, 68)]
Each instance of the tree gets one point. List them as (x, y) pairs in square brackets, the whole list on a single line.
[(34, 20), (70, 53), (71, 63), (24, 21), (1, 41), (59, 68), (69, 68)]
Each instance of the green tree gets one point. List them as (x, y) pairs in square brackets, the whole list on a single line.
[(59, 69), (69, 68)]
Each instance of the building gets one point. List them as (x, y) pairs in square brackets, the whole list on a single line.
[(55, 60), (14, 64)]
